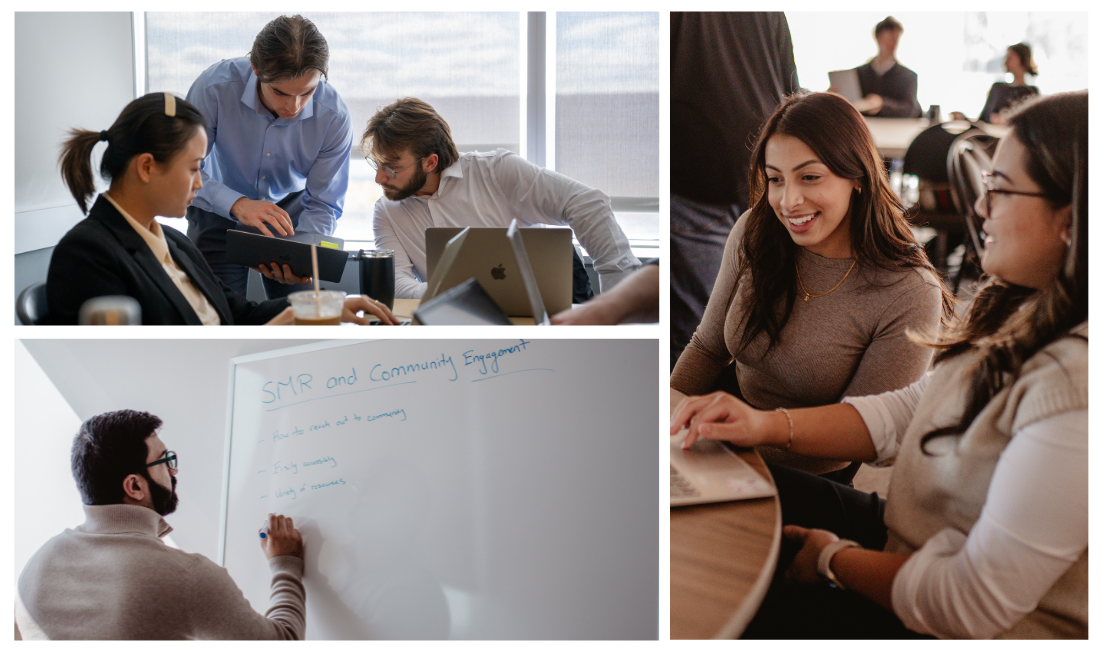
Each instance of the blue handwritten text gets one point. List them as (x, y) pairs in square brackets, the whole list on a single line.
[(471, 358), (379, 373)]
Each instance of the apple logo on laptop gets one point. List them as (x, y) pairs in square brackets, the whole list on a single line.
[(498, 273)]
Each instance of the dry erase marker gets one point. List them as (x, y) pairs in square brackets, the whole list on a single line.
[(264, 530)]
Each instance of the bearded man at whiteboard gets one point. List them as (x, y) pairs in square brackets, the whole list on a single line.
[(113, 578)]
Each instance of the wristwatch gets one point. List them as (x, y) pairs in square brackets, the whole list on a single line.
[(823, 565)]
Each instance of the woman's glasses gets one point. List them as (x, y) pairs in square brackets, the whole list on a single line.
[(989, 191)]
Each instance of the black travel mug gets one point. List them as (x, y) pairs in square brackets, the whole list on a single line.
[(377, 275)]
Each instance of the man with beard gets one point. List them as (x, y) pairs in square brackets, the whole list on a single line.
[(428, 183), (113, 578)]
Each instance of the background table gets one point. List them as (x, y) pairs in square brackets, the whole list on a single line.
[(722, 557), (892, 136)]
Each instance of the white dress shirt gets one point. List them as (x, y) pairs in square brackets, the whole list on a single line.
[(1031, 530), (489, 189)]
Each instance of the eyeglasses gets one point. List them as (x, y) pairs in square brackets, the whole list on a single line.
[(388, 169), (169, 459), (989, 191)]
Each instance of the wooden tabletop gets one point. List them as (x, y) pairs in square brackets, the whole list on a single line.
[(722, 557), (405, 307)]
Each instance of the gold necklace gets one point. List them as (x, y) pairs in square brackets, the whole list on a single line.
[(808, 295)]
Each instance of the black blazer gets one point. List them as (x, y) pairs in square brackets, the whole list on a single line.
[(103, 255)]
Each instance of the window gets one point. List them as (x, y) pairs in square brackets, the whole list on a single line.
[(957, 55), (607, 110), (470, 67)]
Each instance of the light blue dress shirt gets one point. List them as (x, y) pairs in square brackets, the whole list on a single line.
[(253, 154)]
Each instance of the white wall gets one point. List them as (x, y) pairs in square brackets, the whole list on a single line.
[(71, 70), (46, 498), (184, 382)]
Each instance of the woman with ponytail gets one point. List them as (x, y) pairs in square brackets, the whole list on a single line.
[(985, 530), (154, 150)]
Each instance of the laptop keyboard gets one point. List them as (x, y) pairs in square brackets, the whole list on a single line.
[(680, 488), (402, 321)]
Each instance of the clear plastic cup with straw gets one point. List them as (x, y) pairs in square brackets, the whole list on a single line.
[(317, 307)]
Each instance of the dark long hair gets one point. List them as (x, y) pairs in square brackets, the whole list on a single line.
[(879, 233), (142, 127), (1007, 324)]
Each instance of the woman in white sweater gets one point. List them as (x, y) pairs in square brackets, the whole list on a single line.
[(985, 531)]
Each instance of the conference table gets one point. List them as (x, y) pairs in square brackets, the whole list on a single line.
[(722, 557), (404, 308)]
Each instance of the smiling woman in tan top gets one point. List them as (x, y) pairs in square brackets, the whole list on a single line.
[(821, 280)]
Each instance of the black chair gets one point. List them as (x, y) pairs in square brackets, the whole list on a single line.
[(30, 306), (926, 159), (969, 158)]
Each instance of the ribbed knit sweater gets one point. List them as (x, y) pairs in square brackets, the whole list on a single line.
[(947, 487), (850, 342), (113, 578)]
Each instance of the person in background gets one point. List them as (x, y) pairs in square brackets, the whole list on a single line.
[(636, 299), (113, 578), (427, 182), (985, 530), (1019, 61), (278, 144), (153, 156), (824, 268), (888, 88), (729, 71)]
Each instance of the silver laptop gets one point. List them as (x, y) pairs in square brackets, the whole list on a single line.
[(448, 255), (532, 289), (488, 256), (465, 304), (709, 472), (846, 83)]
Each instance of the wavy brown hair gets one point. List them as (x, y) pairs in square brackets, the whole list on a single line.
[(409, 124), (1007, 324), (879, 233)]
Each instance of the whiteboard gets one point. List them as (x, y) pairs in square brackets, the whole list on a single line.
[(453, 490)]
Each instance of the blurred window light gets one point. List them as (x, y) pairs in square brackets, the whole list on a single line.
[(469, 66)]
